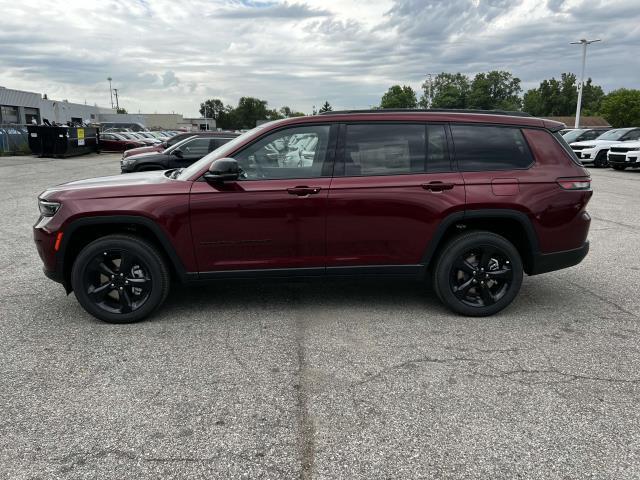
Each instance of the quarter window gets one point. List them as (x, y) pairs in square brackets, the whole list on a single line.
[(480, 147), (298, 152)]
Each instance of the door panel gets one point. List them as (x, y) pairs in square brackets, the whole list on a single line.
[(259, 224), (275, 215), (387, 220), (394, 187)]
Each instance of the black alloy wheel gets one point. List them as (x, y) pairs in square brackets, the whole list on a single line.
[(117, 281), (481, 276), (120, 278), (601, 160), (478, 273)]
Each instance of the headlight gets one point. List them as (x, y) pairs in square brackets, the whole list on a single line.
[(48, 209)]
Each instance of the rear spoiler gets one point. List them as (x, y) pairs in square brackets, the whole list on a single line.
[(553, 126)]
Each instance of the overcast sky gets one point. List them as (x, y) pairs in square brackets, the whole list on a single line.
[(168, 55)]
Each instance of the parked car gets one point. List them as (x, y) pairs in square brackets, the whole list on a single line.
[(114, 142), (385, 194), (624, 155), (582, 134), (173, 140), (148, 136), (182, 154), (595, 151), (140, 137)]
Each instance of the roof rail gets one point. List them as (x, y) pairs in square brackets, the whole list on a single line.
[(432, 110)]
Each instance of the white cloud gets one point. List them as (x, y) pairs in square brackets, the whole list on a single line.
[(169, 56)]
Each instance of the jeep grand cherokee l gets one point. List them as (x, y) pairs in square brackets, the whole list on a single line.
[(471, 200)]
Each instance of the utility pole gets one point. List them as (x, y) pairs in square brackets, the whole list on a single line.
[(110, 92), (584, 44), (115, 90), (429, 86)]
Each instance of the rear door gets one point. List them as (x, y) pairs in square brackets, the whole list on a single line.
[(393, 184)]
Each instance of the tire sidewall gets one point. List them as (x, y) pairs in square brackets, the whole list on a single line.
[(456, 248), (145, 252)]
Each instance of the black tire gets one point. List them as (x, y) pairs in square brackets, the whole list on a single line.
[(133, 291), (497, 266), (618, 167), (601, 160)]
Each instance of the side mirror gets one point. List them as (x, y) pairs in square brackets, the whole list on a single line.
[(177, 152), (223, 170), (165, 144)]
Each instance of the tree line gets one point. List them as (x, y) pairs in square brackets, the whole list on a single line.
[(494, 90), (248, 112), (500, 90)]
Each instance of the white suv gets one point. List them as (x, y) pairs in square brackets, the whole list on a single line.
[(595, 151), (624, 154)]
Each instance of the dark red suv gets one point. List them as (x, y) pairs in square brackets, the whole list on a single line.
[(470, 200)]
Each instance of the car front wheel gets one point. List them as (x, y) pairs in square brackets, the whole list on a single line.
[(120, 278), (478, 274)]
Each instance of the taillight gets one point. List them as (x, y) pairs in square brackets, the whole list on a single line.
[(581, 183)]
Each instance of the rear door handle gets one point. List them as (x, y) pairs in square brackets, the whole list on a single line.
[(437, 186), (303, 191)]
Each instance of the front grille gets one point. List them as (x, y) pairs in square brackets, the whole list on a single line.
[(579, 147), (621, 149), (616, 158)]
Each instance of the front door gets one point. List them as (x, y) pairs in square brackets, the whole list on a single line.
[(393, 185), (273, 217)]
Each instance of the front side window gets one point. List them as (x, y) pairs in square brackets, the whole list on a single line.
[(298, 152), (198, 146), (483, 147)]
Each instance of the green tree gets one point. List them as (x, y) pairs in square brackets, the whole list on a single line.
[(249, 111), (212, 108), (621, 107), (399, 97), (559, 97), (495, 90), (326, 107), (286, 112), (448, 90), (121, 110)]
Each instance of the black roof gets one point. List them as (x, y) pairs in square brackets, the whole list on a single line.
[(432, 110)]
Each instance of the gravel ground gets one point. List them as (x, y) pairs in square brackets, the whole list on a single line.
[(322, 380)]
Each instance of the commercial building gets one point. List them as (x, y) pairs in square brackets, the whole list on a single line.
[(21, 107)]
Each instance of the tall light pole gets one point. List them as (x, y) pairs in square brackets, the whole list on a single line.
[(110, 92), (584, 44), (429, 83)]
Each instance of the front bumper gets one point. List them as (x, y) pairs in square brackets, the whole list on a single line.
[(548, 262), (587, 155), (631, 159)]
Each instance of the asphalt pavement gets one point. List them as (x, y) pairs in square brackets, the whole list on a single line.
[(347, 379)]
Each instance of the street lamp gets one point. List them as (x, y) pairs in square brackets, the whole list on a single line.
[(110, 92), (584, 44)]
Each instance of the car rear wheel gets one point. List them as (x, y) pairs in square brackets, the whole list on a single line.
[(120, 279), (478, 274)]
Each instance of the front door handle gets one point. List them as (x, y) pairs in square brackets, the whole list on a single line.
[(303, 191), (437, 186)]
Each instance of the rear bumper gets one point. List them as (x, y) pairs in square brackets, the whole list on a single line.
[(548, 262)]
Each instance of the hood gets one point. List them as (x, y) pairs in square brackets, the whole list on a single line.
[(633, 144), (128, 185), (593, 143), (145, 155)]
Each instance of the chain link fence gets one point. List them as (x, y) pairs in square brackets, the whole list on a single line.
[(14, 139)]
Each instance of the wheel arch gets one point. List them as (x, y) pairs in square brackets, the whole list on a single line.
[(83, 231), (514, 225)]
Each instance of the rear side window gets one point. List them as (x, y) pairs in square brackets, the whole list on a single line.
[(395, 149), (483, 147)]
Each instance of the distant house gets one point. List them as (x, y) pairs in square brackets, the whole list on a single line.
[(585, 122)]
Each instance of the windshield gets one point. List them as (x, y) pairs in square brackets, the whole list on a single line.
[(219, 152), (613, 134), (572, 135)]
